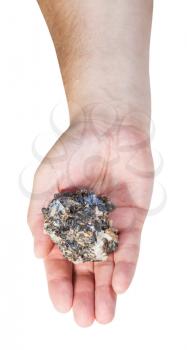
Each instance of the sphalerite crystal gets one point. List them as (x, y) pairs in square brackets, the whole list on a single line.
[(78, 223)]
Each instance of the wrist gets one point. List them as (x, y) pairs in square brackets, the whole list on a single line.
[(102, 115), (108, 91)]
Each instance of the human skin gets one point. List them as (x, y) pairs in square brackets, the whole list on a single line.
[(103, 52)]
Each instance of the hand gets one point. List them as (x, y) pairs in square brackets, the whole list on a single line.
[(112, 159)]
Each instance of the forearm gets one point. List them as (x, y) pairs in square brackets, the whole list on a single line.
[(103, 50)]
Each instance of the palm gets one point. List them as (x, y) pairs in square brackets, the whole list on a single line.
[(116, 163)]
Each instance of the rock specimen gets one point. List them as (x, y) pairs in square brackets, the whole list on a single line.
[(78, 223)]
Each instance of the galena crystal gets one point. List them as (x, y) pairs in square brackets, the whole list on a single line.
[(78, 223)]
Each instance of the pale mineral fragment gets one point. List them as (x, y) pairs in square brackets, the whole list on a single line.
[(78, 223)]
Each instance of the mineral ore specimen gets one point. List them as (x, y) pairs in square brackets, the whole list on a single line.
[(78, 223)]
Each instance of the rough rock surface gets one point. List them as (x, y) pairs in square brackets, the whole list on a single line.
[(78, 223)]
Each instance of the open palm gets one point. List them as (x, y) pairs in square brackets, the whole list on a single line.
[(115, 161)]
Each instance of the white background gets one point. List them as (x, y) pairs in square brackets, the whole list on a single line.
[(153, 313)]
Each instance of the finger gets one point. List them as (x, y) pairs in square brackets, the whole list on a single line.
[(59, 277), (41, 196), (126, 256), (42, 242), (105, 297), (125, 264), (83, 305)]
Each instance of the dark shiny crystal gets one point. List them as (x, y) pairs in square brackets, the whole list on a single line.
[(78, 223)]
